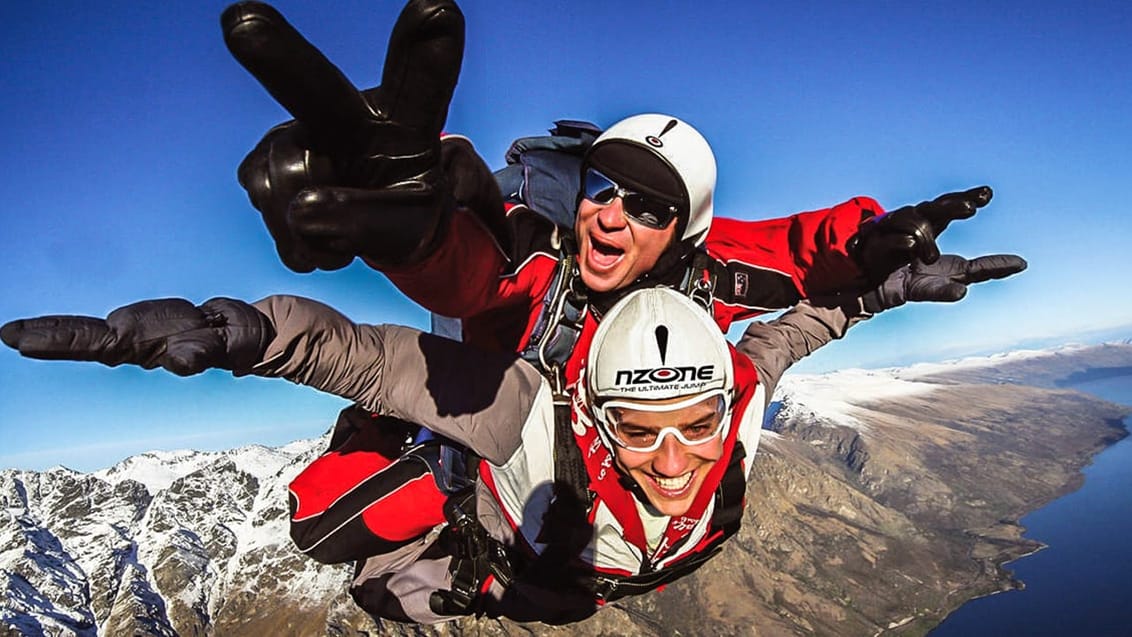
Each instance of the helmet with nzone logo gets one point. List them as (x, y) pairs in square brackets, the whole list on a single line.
[(664, 158), (658, 351), (657, 344)]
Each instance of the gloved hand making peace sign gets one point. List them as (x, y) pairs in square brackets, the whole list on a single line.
[(356, 172), (944, 280), (908, 234)]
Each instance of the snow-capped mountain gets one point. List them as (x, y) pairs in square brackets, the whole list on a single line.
[(162, 543), (867, 480)]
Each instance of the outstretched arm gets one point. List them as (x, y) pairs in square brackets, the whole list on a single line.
[(845, 249), (776, 345), (475, 397), (478, 398)]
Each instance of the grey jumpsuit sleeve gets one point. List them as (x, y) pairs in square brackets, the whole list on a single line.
[(776, 345), (480, 399)]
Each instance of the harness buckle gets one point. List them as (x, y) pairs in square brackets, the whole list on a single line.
[(701, 293)]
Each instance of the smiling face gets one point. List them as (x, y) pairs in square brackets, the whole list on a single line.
[(673, 474), (614, 251)]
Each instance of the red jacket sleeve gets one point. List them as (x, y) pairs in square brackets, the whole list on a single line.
[(469, 277), (809, 247), (460, 277)]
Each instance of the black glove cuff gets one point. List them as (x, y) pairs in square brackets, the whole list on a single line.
[(246, 332), (889, 294)]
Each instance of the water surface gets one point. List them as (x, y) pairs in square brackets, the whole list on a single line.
[(1079, 585)]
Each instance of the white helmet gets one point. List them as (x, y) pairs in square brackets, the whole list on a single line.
[(657, 344), (664, 157)]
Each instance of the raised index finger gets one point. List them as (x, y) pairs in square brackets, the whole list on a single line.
[(296, 73)]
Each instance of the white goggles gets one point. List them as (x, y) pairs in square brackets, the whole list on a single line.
[(645, 439)]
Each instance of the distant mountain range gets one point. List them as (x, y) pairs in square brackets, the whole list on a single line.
[(880, 501)]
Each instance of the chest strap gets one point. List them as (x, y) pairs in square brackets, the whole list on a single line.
[(699, 280)]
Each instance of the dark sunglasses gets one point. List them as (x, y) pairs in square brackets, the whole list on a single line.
[(647, 211)]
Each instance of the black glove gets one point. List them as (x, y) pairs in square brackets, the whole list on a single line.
[(887, 242), (945, 280), (356, 173), (170, 333)]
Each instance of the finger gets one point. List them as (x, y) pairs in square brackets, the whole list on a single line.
[(954, 205), (995, 266), (331, 212), (77, 338), (927, 250), (937, 290), (272, 174), (963, 204), (193, 352), (980, 195), (295, 73), (951, 266), (898, 246), (423, 59), (388, 225)]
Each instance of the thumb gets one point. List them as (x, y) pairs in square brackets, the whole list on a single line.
[(936, 289), (192, 352)]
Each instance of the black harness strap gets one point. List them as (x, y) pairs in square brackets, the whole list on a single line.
[(476, 556), (700, 279)]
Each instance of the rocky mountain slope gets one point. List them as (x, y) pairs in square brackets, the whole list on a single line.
[(880, 501)]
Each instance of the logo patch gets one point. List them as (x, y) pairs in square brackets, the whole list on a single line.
[(654, 140), (656, 375), (742, 283)]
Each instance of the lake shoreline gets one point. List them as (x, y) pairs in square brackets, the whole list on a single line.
[(1121, 429)]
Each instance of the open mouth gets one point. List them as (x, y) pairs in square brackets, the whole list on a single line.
[(604, 254), (673, 487)]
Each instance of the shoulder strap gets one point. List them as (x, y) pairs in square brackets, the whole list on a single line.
[(559, 324), (731, 494)]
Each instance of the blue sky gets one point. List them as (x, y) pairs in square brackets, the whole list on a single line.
[(124, 125)]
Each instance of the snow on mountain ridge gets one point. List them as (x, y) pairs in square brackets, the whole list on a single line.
[(158, 470), (833, 397), (972, 362), (167, 534)]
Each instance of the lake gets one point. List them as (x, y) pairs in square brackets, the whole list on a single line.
[(1079, 585)]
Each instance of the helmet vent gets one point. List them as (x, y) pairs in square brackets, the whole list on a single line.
[(662, 342)]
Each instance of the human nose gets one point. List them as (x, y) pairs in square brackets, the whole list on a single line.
[(612, 215), (670, 459)]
